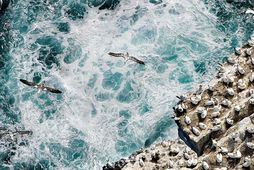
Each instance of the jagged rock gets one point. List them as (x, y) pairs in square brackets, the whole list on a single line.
[(222, 113)]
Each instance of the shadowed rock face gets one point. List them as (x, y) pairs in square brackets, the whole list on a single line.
[(217, 122)]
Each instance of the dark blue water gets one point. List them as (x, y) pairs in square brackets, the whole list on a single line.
[(109, 107)]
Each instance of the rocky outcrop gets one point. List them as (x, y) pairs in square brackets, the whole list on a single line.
[(216, 121), (217, 108), (168, 154)]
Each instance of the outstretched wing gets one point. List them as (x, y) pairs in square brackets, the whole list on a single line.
[(137, 60), (116, 54), (24, 132), (27, 82), (52, 90), (249, 11)]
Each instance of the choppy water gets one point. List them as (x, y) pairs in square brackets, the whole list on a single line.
[(109, 108)]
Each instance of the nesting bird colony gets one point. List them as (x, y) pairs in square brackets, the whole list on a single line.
[(217, 122)]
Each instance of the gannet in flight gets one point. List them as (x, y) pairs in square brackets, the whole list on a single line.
[(8, 134), (40, 87), (126, 57)]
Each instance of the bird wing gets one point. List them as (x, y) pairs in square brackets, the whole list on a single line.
[(116, 54), (249, 11), (27, 82), (24, 132), (52, 90), (137, 60)]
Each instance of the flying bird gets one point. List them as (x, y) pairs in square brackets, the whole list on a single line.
[(126, 57), (40, 87), (20, 132), (8, 134), (24, 132)]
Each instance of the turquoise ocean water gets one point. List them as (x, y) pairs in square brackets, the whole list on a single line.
[(109, 107)]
